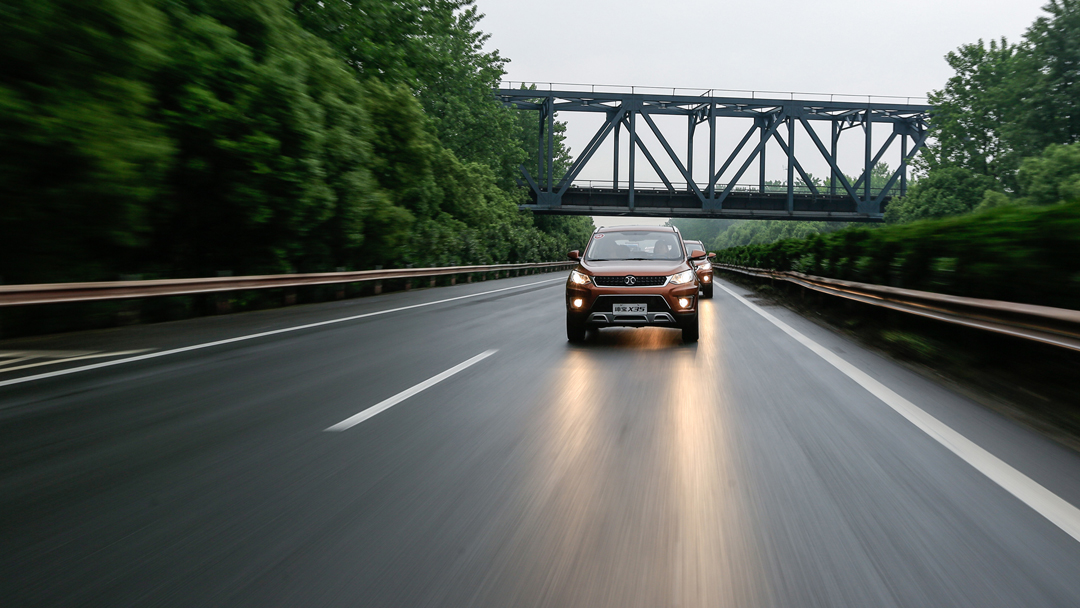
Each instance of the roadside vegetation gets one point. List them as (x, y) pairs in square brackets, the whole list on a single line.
[(1018, 254), (153, 138)]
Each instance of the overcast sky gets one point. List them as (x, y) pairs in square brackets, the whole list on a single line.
[(823, 46)]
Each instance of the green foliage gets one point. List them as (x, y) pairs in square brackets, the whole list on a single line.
[(195, 136), (702, 230), (768, 231), (1005, 103), (79, 156), (1012, 253), (1052, 177), (946, 191), (974, 126), (435, 50), (1052, 61)]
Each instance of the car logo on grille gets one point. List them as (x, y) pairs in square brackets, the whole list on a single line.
[(630, 279)]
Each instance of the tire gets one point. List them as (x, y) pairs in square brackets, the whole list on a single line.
[(690, 330), (706, 292), (575, 329)]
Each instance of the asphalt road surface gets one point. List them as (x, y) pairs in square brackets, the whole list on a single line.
[(759, 467)]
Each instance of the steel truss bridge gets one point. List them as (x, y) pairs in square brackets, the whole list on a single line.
[(773, 120)]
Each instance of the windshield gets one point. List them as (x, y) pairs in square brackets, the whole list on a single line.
[(692, 245), (634, 245)]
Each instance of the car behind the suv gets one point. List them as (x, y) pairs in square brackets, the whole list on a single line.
[(703, 268), (633, 276)]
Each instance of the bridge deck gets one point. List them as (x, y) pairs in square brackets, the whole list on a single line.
[(738, 205)]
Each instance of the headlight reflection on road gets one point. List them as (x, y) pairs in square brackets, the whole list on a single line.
[(628, 494), (713, 555)]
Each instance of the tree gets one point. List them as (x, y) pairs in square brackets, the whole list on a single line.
[(974, 124), (435, 49), (1052, 63), (1052, 177), (703, 230), (1007, 101), (80, 158), (756, 232), (944, 192)]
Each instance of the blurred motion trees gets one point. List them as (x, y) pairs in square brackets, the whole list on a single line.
[(82, 157), (188, 137)]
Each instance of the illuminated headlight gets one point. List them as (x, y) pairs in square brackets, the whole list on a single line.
[(684, 302), (706, 266), (707, 278), (578, 302), (686, 276), (579, 279)]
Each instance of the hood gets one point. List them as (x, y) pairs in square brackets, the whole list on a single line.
[(636, 267)]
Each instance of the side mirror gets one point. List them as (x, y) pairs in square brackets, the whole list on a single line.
[(697, 254), (574, 255), (712, 254)]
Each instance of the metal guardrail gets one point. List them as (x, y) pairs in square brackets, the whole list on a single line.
[(1055, 326), (53, 293)]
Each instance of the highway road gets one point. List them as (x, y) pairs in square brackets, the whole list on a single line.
[(237, 461)]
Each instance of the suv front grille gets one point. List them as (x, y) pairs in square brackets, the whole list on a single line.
[(620, 281)]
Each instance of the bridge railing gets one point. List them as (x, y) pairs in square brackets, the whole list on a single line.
[(702, 92), (53, 293), (1046, 324)]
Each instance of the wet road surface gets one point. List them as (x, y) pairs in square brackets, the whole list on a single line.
[(632, 470)]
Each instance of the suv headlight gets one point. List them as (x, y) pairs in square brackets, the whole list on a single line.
[(686, 276), (578, 278), (706, 266)]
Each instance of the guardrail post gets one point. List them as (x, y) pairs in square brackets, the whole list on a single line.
[(378, 287)]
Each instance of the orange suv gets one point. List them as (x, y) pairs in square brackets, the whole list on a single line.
[(633, 276)]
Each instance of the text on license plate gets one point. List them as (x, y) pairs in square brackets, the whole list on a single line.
[(622, 309)]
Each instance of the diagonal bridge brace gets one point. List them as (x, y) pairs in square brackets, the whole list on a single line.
[(718, 202), (673, 156), (798, 165), (594, 145), (903, 166), (832, 163), (648, 155)]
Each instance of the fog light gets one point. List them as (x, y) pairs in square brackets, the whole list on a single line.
[(707, 278), (578, 302), (684, 302)]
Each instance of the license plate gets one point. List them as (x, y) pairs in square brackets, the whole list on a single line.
[(629, 309)]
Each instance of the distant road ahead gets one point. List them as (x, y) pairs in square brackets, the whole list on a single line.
[(745, 470)]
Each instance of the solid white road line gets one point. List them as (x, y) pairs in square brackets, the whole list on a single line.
[(386, 404), (1046, 503), (67, 359), (185, 349)]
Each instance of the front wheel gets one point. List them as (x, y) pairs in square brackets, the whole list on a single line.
[(690, 330), (575, 329), (706, 292)]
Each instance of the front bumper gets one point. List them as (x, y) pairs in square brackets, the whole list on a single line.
[(662, 302)]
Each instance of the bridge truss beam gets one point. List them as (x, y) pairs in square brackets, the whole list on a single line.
[(774, 120)]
